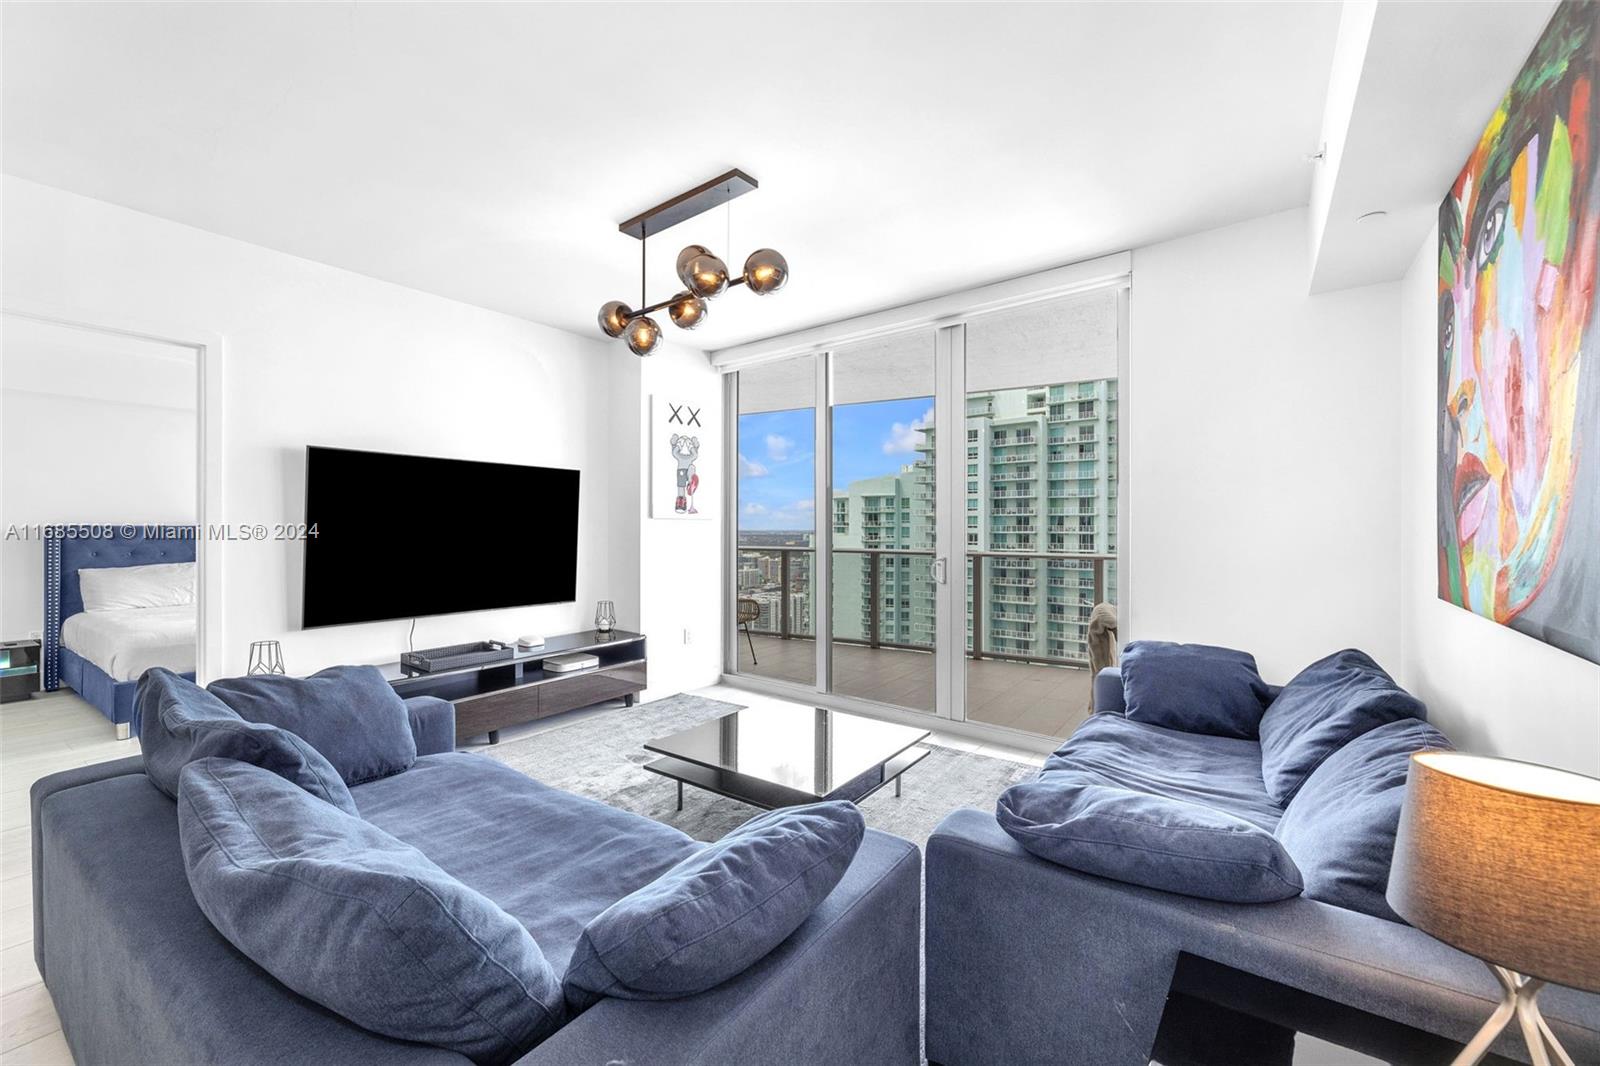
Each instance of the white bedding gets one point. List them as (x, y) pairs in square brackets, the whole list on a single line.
[(125, 643)]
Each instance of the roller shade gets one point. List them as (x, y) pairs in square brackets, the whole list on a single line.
[(1111, 272), (888, 368), (781, 386), (1072, 338)]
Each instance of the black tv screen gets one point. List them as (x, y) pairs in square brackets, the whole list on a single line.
[(402, 536)]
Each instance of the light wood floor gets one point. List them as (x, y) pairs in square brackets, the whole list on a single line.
[(1049, 700), (37, 737)]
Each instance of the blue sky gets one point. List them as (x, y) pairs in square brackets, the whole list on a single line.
[(777, 455)]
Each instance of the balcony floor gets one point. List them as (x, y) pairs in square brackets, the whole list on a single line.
[(1048, 700)]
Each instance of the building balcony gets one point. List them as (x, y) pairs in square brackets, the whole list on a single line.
[(1046, 700), (883, 604)]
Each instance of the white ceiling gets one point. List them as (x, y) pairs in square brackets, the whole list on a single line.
[(487, 152), (1423, 86)]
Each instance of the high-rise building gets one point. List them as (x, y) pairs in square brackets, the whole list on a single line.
[(882, 545), (1041, 479), (1041, 494)]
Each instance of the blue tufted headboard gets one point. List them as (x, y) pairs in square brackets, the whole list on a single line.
[(68, 549)]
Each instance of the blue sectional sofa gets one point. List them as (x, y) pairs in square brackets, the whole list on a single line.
[(1031, 961), (139, 975)]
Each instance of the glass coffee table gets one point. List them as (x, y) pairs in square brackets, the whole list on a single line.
[(785, 756)]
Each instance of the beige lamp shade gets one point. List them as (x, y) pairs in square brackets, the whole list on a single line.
[(1501, 859)]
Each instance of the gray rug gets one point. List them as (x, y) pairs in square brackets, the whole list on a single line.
[(601, 756)]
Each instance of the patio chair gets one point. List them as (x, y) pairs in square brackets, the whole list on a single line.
[(749, 611)]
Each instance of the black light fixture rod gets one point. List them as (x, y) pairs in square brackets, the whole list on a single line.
[(653, 308)]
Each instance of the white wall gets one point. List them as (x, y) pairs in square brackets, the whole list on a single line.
[(1490, 688), (93, 429), (317, 355), (1261, 432), (677, 564)]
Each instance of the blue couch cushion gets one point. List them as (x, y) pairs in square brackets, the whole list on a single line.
[(1328, 704), (353, 919), (1195, 688), (349, 713), (1340, 826), (1144, 839), (181, 722), (573, 856), (1220, 772), (719, 911)]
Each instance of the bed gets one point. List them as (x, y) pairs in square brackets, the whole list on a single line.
[(100, 654)]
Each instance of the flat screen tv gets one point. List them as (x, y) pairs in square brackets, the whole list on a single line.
[(403, 536)]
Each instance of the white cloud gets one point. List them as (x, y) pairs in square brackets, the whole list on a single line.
[(904, 439), (750, 468), (754, 509), (803, 505), (778, 448)]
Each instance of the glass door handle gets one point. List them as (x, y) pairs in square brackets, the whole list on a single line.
[(939, 571)]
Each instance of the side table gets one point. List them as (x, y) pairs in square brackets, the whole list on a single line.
[(19, 669)]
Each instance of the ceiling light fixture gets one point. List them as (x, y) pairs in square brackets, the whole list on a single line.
[(704, 275)]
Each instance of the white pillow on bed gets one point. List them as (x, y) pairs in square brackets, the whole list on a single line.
[(117, 587)]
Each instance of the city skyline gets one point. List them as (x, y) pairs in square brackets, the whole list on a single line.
[(1039, 512)]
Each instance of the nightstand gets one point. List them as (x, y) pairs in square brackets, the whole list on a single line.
[(19, 669)]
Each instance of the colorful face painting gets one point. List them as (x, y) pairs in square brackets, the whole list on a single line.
[(1519, 373)]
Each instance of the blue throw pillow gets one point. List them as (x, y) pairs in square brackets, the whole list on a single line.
[(716, 913), (1327, 705), (180, 722), (351, 918), (1193, 687), (1147, 840), (1341, 825), (349, 713)]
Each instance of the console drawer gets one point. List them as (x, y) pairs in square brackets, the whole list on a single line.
[(481, 714), (477, 715), (590, 686)]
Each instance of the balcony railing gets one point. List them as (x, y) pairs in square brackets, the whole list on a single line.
[(1006, 581)]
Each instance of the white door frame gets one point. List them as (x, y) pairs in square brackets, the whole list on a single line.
[(210, 630), (950, 521), (822, 520), (947, 317)]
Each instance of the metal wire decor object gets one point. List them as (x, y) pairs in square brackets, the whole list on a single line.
[(266, 657)]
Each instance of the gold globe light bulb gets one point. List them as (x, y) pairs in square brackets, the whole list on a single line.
[(687, 310), (765, 271), (614, 318), (643, 335), (702, 273)]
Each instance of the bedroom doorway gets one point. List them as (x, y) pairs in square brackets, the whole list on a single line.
[(104, 466)]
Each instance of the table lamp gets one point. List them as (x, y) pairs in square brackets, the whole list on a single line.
[(1501, 859)]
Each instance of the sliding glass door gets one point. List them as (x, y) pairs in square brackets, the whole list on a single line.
[(775, 610), (940, 506), (1041, 479), (884, 634)]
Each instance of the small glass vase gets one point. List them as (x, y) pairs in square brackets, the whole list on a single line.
[(605, 616)]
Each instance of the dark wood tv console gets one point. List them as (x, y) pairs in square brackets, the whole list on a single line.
[(492, 696)]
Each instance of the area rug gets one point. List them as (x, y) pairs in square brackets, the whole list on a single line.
[(602, 756)]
